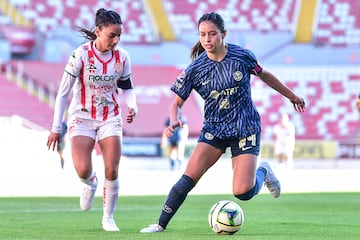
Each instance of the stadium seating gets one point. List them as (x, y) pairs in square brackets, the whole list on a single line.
[(49, 15), (338, 23), (330, 94), (238, 15)]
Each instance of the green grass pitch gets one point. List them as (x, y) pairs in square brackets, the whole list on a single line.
[(292, 216)]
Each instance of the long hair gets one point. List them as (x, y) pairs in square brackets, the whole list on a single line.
[(103, 18), (216, 19)]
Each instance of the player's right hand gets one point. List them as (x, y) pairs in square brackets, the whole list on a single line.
[(53, 140), (170, 129)]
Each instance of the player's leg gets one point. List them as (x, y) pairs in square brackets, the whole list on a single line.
[(110, 136), (110, 148), (247, 179), (82, 139), (81, 149), (202, 158)]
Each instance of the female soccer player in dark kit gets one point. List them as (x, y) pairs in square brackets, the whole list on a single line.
[(220, 73)]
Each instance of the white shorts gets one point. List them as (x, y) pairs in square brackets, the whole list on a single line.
[(94, 129)]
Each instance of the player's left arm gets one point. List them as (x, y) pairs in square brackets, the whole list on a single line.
[(130, 98), (125, 83), (276, 84)]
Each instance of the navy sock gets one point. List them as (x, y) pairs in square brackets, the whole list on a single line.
[(260, 178), (176, 197)]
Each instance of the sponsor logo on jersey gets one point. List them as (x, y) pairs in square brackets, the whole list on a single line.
[(214, 94), (105, 78)]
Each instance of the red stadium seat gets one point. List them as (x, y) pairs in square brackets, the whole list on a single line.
[(49, 15), (338, 23)]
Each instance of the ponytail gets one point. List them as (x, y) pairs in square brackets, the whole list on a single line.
[(196, 50)]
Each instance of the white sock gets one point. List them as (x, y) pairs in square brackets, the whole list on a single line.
[(90, 180), (110, 197)]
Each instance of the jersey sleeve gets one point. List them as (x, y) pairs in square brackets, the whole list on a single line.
[(74, 63), (183, 85), (65, 87), (254, 66), (125, 60)]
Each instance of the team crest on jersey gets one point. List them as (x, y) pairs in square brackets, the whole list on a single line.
[(238, 75)]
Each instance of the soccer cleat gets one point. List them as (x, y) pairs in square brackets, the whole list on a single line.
[(152, 229), (109, 225), (88, 194), (271, 181)]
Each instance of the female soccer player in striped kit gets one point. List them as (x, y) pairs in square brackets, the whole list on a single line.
[(220, 73), (96, 72)]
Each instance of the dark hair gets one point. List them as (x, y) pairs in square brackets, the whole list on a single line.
[(216, 19), (103, 18)]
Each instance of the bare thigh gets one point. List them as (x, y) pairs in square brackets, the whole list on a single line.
[(111, 151), (202, 158), (244, 173), (81, 149)]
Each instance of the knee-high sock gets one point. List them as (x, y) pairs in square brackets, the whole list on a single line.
[(91, 180), (176, 197), (110, 197), (260, 178)]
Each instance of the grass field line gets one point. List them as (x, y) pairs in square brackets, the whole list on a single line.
[(120, 207)]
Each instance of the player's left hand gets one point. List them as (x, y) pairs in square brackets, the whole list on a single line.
[(131, 115), (299, 104)]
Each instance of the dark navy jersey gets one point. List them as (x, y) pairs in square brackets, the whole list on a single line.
[(229, 111)]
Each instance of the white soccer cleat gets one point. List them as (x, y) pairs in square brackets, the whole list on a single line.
[(87, 195), (152, 229), (109, 225), (271, 181)]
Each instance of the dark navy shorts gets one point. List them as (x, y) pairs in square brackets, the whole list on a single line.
[(246, 145)]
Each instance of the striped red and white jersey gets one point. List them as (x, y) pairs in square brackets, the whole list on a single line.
[(95, 91)]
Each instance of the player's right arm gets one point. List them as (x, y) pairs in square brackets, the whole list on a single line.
[(65, 87), (174, 112)]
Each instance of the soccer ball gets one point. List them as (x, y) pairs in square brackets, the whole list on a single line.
[(226, 217)]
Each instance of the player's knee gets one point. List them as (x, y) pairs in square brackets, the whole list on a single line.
[(247, 195), (244, 197)]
